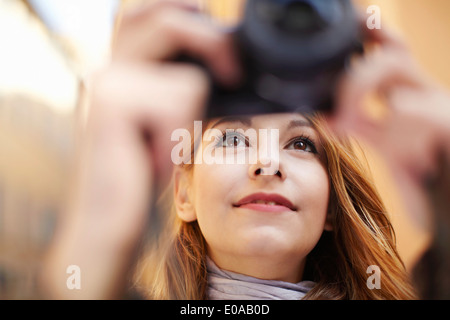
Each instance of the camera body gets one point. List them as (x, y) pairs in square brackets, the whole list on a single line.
[(292, 53)]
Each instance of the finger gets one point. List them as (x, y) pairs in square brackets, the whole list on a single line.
[(165, 30), (384, 36), (152, 91), (151, 98), (378, 74)]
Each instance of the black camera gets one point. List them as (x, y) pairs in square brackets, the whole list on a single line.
[(292, 53)]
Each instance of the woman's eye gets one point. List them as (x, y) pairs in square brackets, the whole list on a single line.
[(302, 144), (234, 141)]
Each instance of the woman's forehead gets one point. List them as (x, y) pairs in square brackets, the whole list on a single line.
[(279, 120)]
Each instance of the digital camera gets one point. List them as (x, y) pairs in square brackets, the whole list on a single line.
[(292, 53)]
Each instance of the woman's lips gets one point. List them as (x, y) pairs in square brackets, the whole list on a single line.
[(264, 207), (266, 203)]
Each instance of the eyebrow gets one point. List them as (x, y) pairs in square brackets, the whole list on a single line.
[(299, 123), (247, 121), (243, 120)]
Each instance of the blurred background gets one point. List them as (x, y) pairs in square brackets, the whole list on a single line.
[(47, 47)]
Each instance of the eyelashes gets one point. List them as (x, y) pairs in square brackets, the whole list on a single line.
[(303, 143), (232, 140), (229, 139)]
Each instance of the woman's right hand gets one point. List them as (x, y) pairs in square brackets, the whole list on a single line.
[(135, 103), (411, 128)]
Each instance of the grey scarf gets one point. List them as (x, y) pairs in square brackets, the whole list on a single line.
[(226, 285)]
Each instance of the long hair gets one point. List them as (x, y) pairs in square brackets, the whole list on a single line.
[(362, 236)]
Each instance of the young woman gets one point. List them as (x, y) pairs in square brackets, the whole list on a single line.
[(310, 229)]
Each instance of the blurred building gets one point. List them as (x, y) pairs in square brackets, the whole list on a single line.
[(38, 93), (47, 47), (35, 146), (226, 12)]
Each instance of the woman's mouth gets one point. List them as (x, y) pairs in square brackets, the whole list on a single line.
[(265, 203)]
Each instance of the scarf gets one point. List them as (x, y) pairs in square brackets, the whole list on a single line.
[(226, 285)]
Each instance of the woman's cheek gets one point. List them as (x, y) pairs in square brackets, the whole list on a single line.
[(214, 183), (313, 185)]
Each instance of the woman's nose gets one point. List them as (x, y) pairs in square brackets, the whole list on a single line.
[(268, 172), (267, 168), (268, 156)]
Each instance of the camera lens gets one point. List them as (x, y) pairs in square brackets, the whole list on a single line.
[(292, 53), (300, 17), (292, 16)]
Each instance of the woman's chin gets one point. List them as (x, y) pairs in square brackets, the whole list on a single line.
[(266, 241)]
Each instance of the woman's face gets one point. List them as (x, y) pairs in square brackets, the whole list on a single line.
[(269, 212)]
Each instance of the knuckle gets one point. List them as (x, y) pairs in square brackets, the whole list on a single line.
[(136, 13), (196, 83), (103, 103), (100, 87)]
